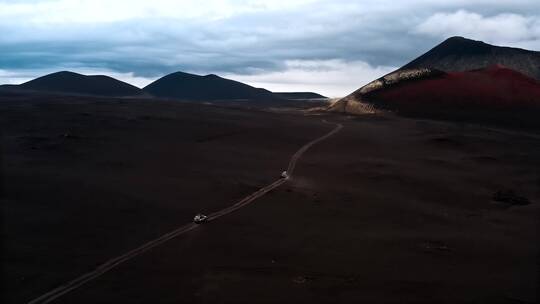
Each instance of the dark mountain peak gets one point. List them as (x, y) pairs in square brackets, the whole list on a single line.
[(459, 41), (201, 88), (61, 74), (462, 44), (68, 75), (458, 46), (180, 75), (65, 73), (457, 38), (458, 54), (462, 40), (67, 82)]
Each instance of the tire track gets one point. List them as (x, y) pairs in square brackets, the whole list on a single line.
[(112, 263)]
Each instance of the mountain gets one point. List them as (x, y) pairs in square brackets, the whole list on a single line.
[(458, 54), (494, 87), (187, 86), (456, 79), (299, 95), (495, 94), (72, 83)]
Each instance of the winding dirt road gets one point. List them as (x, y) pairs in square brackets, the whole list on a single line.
[(112, 263)]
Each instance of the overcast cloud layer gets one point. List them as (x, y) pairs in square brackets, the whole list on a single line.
[(331, 47)]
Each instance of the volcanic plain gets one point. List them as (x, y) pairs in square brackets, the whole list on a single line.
[(388, 210)]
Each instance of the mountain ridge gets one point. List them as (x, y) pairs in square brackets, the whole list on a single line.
[(459, 54), (457, 79), (67, 82), (209, 87), (177, 85)]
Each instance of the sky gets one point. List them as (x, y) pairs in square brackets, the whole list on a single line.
[(331, 47)]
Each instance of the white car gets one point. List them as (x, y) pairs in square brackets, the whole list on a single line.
[(284, 174), (199, 218)]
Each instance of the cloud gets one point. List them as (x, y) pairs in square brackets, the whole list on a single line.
[(507, 29), (257, 40), (99, 11), (334, 78), (15, 77)]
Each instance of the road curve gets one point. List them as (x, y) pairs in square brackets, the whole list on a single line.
[(112, 263)]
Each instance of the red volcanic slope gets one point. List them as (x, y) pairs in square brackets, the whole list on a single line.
[(495, 86)]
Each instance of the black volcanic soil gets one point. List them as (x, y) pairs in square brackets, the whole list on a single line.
[(388, 210)]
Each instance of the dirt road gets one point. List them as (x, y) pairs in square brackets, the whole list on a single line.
[(112, 263)]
